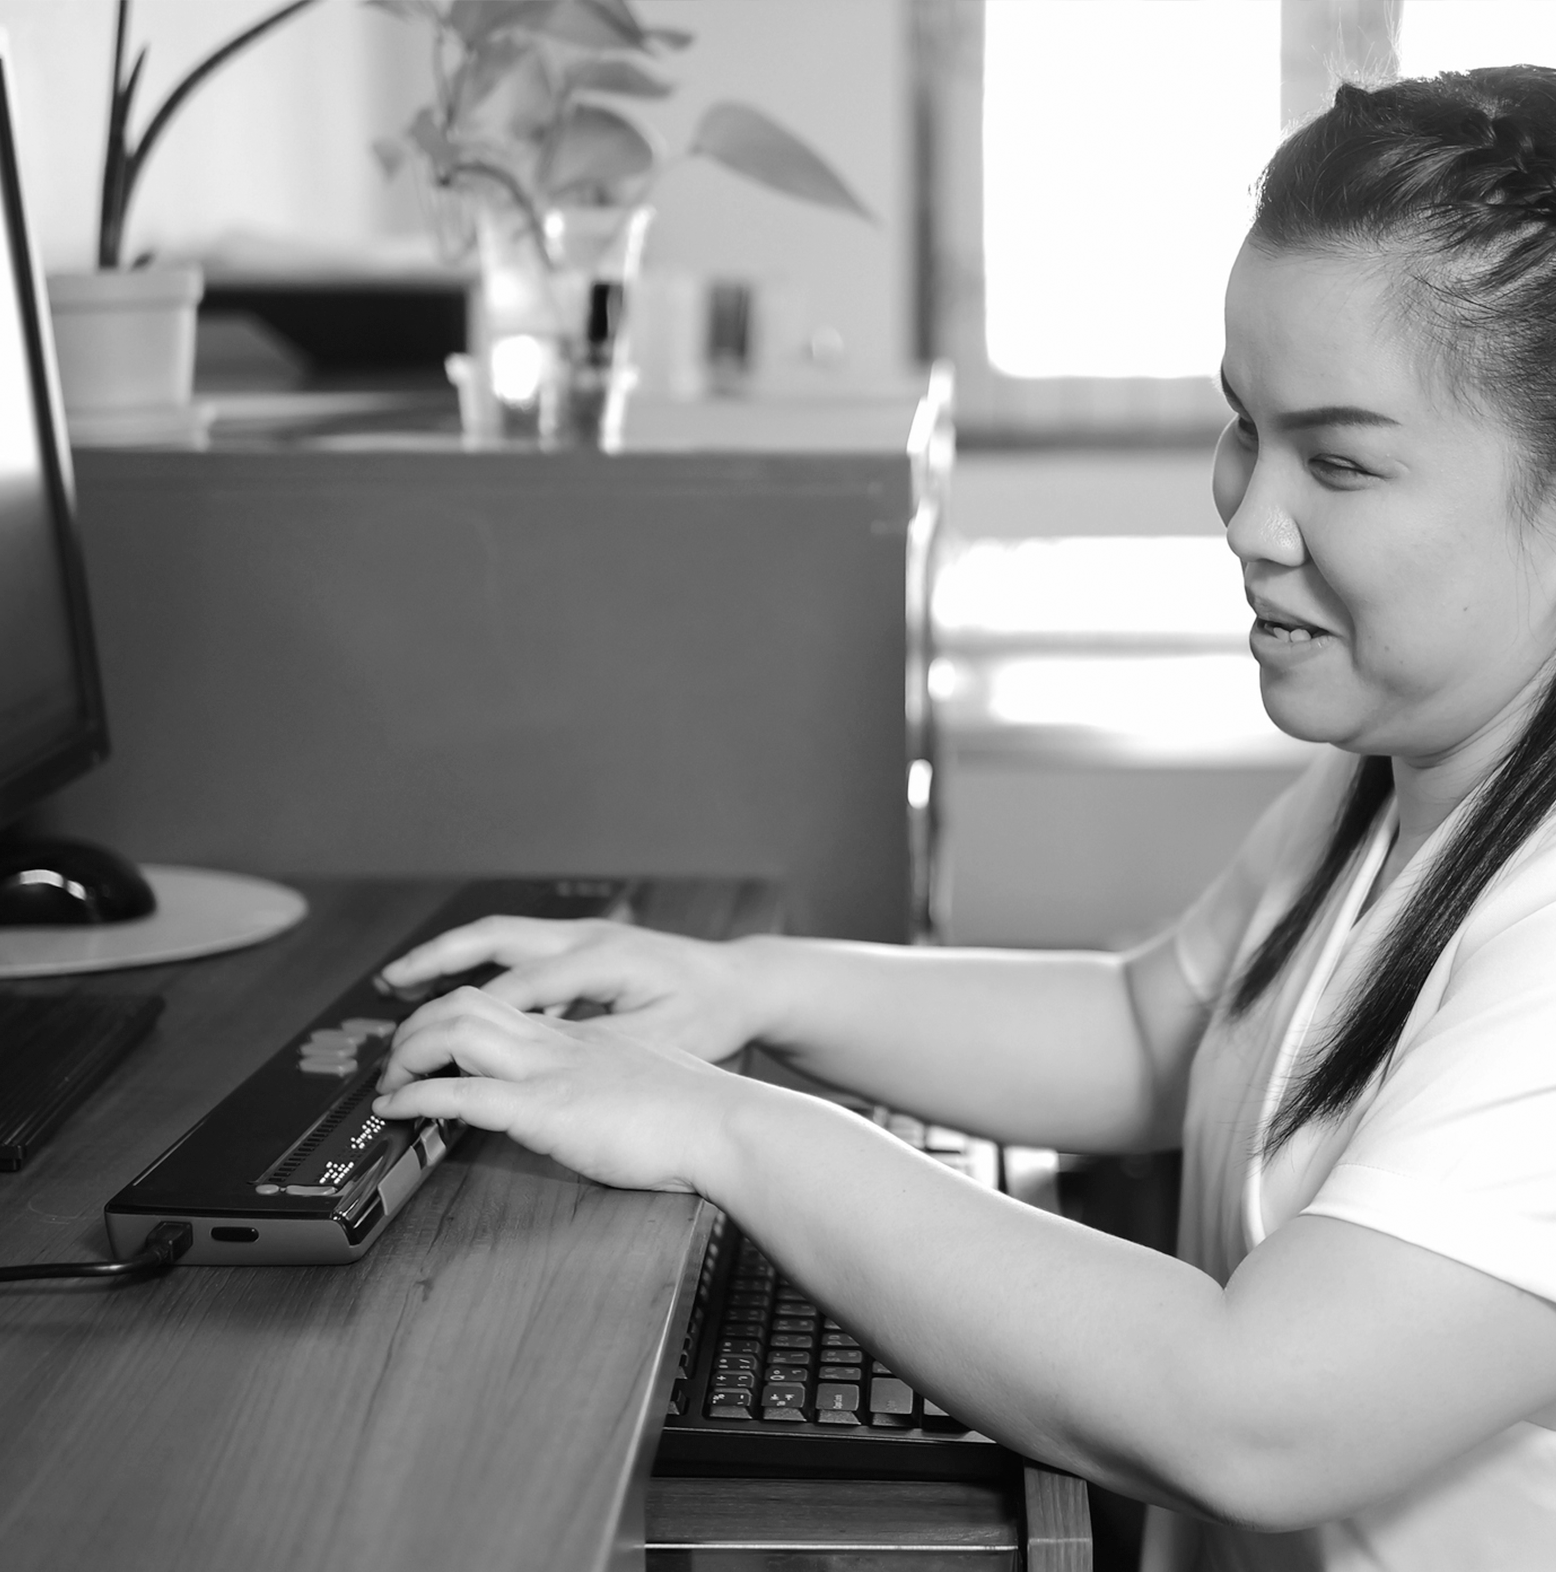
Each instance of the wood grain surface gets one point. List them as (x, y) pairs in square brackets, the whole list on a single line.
[(481, 1391), (1058, 1522)]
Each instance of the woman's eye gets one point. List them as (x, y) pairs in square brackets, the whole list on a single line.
[(1337, 471)]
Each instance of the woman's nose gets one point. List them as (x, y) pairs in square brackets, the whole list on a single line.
[(1263, 528)]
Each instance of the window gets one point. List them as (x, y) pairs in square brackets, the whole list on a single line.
[(1117, 179), (1087, 168), (1458, 35)]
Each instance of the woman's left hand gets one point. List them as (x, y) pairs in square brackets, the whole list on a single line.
[(625, 1112)]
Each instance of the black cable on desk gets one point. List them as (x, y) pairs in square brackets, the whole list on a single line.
[(164, 1245)]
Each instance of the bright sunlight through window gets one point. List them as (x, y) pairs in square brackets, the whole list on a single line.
[(1121, 142), (1458, 35)]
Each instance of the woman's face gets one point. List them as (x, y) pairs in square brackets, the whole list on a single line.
[(1404, 604)]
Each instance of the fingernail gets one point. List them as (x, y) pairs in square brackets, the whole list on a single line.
[(380, 1103)]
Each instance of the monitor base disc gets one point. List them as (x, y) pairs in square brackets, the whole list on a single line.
[(199, 912)]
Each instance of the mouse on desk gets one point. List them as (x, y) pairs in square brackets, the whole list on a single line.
[(56, 883)]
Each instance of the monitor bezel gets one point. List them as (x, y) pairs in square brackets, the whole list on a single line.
[(88, 743)]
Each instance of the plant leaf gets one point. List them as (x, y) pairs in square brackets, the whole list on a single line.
[(746, 141), (626, 77), (486, 65), (594, 24), (429, 138), (596, 153), (476, 20), (390, 153)]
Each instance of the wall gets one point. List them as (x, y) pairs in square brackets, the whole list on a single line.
[(278, 145)]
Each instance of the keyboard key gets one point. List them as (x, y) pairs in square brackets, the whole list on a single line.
[(877, 1368), (797, 1358), (838, 1373), (793, 1323), (842, 1356), (787, 1373), (906, 1128), (939, 1139), (741, 1345), (366, 1027), (890, 1396), (936, 1418), (838, 1340), (838, 1416), (735, 1380), (783, 1400), (792, 1340), (731, 1364), (837, 1397), (730, 1405)]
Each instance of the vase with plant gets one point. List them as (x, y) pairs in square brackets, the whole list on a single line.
[(532, 158), (124, 336)]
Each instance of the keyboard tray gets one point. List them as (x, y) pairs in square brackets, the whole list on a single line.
[(819, 1403)]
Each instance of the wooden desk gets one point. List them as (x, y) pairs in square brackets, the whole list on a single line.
[(482, 1391)]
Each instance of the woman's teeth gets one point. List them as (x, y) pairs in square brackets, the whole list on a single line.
[(1289, 634)]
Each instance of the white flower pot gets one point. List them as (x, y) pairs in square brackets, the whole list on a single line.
[(125, 341)]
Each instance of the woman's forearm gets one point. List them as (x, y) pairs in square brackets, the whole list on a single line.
[(1031, 1328), (1043, 1048), (1337, 1367)]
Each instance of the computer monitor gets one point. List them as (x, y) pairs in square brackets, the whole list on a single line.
[(52, 726)]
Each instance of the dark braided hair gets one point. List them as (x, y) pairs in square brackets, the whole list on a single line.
[(1452, 178)]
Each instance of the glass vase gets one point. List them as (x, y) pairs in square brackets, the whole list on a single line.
[(552, 347)]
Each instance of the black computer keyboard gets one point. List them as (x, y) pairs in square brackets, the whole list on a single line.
[(53, 1051), (769, 1381)]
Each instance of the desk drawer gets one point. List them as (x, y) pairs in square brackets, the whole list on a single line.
[(826, 1525)]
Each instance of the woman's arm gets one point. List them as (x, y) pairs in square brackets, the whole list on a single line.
[(1338, 1366), (1086, 1052)]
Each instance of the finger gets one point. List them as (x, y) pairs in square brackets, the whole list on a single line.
[(578, 973), (486, 1104), (472, 1032), (501, 939)]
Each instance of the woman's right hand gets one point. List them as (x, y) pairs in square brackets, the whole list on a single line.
[(697, 996)]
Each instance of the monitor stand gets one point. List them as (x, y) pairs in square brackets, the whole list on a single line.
[(198, 913)]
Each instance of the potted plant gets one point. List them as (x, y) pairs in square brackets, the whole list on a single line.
[(124, 337), (531, 157)]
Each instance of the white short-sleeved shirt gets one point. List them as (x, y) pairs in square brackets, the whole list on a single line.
[(1453, 1148)]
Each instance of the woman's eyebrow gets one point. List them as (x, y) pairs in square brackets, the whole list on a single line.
[(1333, 415), (1324, 415)]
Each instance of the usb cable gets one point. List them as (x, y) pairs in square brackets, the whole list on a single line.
[(164, 1245)]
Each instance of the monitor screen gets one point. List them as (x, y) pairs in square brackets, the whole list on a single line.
[(51, 719)]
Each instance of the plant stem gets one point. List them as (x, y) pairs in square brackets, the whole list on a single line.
[(135, 160), (110, 221), (521, 199)]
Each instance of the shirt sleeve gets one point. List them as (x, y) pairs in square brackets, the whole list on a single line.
[(1457, 1152), (1210, 934)]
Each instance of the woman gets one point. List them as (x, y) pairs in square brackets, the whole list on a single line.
[(1353, 1032)]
